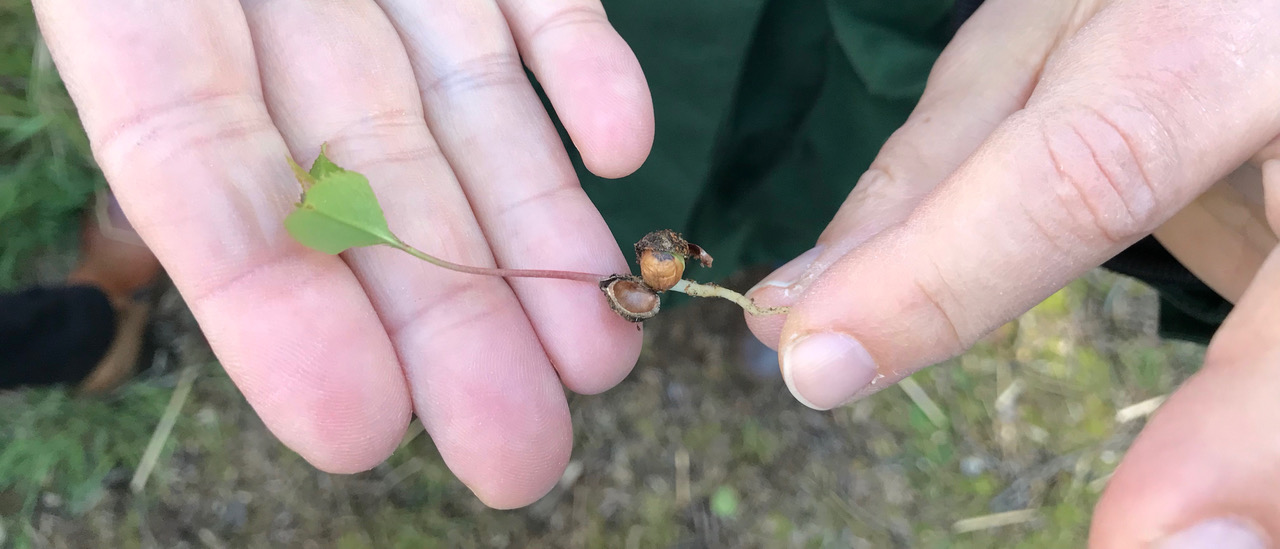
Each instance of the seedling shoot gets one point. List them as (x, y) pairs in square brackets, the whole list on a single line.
[(339, 211)]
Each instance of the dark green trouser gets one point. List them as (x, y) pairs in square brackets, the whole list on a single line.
[(767, 113)]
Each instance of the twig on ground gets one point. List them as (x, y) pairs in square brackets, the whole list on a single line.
[(415, 429), (1139, 410), (997, 520), (209, 539), (404, 471), (161, 434), (1098, 484), (683, 490), (922, 400)]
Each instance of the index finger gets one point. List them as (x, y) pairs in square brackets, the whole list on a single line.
[(1133, 117), (170, 97)]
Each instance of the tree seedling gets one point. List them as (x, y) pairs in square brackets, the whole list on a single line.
[(339, 211)]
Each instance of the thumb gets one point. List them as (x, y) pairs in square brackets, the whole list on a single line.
[(1119, 134), (985, 74)]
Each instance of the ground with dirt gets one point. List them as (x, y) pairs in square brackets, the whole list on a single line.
[(692, 450)]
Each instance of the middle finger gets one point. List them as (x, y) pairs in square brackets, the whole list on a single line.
[(518, 178)]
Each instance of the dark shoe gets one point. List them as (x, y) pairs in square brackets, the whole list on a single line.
[(114, 259)]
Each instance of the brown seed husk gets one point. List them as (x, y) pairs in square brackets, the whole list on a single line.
[(630, 297)]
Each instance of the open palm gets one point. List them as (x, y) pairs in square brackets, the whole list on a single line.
[(192, 108)]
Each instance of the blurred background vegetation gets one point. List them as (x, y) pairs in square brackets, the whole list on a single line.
[(1007, 446), (46, 171)]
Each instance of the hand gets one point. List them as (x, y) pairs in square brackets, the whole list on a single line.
[(192, 108), (1053, 135)]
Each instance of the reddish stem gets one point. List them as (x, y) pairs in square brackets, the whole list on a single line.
[(506, 273)]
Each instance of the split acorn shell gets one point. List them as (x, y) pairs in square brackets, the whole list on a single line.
[(630, 297), (661, 255)]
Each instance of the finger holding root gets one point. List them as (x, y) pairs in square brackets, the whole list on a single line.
[(695, 289)]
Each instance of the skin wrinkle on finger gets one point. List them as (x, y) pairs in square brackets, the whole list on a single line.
[(491, 403), (532, 20), (218, 78), (517, 176), (170, 99), (1103, 180)]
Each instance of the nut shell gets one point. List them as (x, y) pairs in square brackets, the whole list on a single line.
[(661, 270), (630, 297)]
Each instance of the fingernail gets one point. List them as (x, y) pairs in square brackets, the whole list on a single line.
[(1219, 533), (788, 274), (825, 370)]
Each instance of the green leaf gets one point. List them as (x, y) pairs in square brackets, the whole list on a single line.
[(338, 211), (323, 166)]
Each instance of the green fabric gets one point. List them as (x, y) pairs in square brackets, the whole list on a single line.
[(1191, 313), (767, 112), (691, 53)]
